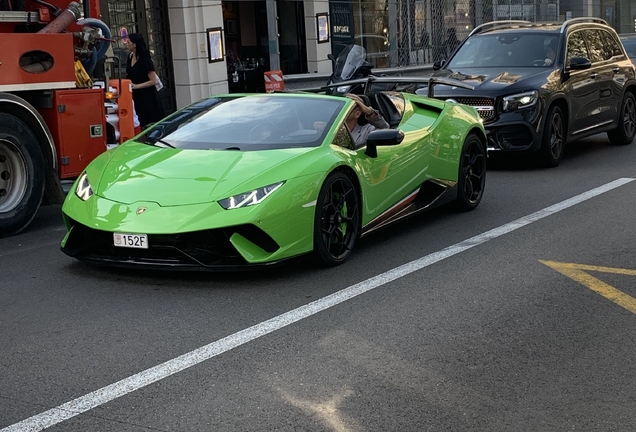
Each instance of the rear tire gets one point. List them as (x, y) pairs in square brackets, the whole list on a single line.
[(472, 174), (22, 175), (553, 138), (337, 220), (626, 129)]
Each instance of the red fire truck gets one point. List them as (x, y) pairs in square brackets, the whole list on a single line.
[(58, 108)]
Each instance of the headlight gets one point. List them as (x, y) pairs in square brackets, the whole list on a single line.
[(249, 198), (343, 89), (520, 101), (84, 190)]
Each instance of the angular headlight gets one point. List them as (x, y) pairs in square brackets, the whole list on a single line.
[(520, 101), (84, 190), (253, 197)]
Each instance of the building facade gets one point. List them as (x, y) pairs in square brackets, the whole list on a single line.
[(205, 47)]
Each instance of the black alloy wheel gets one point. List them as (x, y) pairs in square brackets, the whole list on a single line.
[(337, 220), (472, 173), (626, 129), (553, 139)]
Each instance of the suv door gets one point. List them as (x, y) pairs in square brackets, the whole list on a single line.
[(582, 87), (610, 95), (622, 68)]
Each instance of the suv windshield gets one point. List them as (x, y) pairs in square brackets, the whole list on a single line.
[(505, 50)]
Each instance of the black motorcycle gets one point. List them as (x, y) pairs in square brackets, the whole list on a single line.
[(350, 65)]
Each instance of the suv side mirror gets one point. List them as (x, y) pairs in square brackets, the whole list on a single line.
[(331, 57), (579, 63), (382, 137), (438, 64)]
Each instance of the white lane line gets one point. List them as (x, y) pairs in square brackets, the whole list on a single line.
[(128, 385)]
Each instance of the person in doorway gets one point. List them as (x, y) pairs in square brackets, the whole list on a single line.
[(361, 133), (141, 72)]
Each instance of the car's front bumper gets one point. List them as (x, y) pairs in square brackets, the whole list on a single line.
[(514, 131), (512, 137), (199, 236)]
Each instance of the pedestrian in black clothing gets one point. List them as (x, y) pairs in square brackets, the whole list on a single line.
[(141, 72), (451, 41)]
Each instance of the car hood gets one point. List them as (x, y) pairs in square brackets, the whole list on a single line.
[(172, 177), (491, 82)]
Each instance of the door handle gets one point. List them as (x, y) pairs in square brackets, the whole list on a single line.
[(593, 75)]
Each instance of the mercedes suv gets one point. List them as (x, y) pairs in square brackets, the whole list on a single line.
[(538, 86)]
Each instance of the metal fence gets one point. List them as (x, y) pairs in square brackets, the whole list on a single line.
[(417, 32)]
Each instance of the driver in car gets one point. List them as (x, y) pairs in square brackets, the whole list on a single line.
[(361, 133), (550, 53)]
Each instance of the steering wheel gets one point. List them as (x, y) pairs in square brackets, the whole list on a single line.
[(539, 62), (263, 130)]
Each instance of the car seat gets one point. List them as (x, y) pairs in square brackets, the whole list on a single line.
[(382, 102)]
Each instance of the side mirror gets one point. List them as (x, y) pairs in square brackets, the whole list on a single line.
[(438, 64), (382, 137), (579, 63), (331, 57)]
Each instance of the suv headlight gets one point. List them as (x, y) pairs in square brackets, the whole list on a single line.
[(520, 101), (253, 197), (83, 190)]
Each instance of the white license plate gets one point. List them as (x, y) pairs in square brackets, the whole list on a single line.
[(136, 241)]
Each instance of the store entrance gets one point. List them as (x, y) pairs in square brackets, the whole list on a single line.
[(245, 25), (292, 40), (246, 45), (150, 19)]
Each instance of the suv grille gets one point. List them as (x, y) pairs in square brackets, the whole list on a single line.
[(485, 106)]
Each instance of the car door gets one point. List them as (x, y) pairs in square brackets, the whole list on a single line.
[(622, 68), (581, 86), (603, 67), (396, 172)]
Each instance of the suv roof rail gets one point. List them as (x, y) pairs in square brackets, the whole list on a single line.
[(569, 22), (481, 28)]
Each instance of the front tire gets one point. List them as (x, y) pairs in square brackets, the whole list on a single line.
[(337, 220), (472, 174), (626, 129), (22, 175), (553, 138)]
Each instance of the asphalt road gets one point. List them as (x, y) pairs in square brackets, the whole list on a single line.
[(497, 333)]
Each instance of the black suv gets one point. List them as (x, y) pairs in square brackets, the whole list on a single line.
[(540, 85)]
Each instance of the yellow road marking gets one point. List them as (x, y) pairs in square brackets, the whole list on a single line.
[(577, 273)]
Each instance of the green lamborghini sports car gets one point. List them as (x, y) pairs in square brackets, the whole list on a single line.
[(249, 180)]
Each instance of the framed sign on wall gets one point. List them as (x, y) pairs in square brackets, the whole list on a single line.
[(215, 44), (322, 26)]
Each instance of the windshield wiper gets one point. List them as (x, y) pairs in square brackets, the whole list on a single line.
[(164, 143)]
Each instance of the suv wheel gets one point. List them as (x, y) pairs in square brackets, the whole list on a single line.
[(553, 138), (624, 133)]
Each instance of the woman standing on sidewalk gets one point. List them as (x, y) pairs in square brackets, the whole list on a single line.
[(141, 72)]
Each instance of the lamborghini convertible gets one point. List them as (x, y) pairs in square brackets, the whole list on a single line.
[(249, 180)]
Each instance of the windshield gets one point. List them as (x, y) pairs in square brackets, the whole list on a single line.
[(349, 60), (630, 46), (505, 50), (247, 123)]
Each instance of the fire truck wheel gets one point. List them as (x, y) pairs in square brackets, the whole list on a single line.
[(22, 175)]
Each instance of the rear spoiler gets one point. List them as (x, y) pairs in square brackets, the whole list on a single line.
[(370, 80)]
